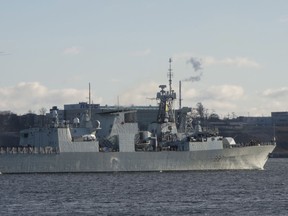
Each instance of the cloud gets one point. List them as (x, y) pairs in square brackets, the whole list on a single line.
[(276, 93), (237, 61), (72, 50), (193, 78), (139, 95), (24, 96), (222, 98), (141, 53), (210, 60), (224, 92), (221, 107)]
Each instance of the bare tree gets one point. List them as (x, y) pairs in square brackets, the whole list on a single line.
[(42, 111), (200, 110)]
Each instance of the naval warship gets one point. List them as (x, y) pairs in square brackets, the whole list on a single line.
[(81, 146)]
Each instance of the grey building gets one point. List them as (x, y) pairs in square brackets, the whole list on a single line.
[(280, 118)]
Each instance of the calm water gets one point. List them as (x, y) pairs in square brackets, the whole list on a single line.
[(173, 193)]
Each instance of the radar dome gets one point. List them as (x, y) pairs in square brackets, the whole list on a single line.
[(76, 120)]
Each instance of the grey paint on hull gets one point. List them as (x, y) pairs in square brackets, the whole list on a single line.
[(253, 157)]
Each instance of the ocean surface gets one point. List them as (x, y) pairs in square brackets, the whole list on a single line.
[(258, 192)]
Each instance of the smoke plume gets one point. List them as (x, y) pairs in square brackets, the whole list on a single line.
[(193, 78), (197, 66), (196, 63)]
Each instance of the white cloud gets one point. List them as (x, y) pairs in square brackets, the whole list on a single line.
[(217, 93), (222, 99), (225, 92), (72, 50), (210, 60), (236, 61), (33, 96), (143, 94), (276, 93)]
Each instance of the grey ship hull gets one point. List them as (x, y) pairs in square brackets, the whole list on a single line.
[(251, 157)]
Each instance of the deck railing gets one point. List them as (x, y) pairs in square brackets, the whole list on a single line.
[(29, 150)]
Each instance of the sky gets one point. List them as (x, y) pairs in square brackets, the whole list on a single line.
[(231, 56)]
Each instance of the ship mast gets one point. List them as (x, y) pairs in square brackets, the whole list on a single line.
[(166, 98), (170, 74)]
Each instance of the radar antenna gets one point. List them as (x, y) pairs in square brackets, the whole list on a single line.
[(166, 98), (170, 75)]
